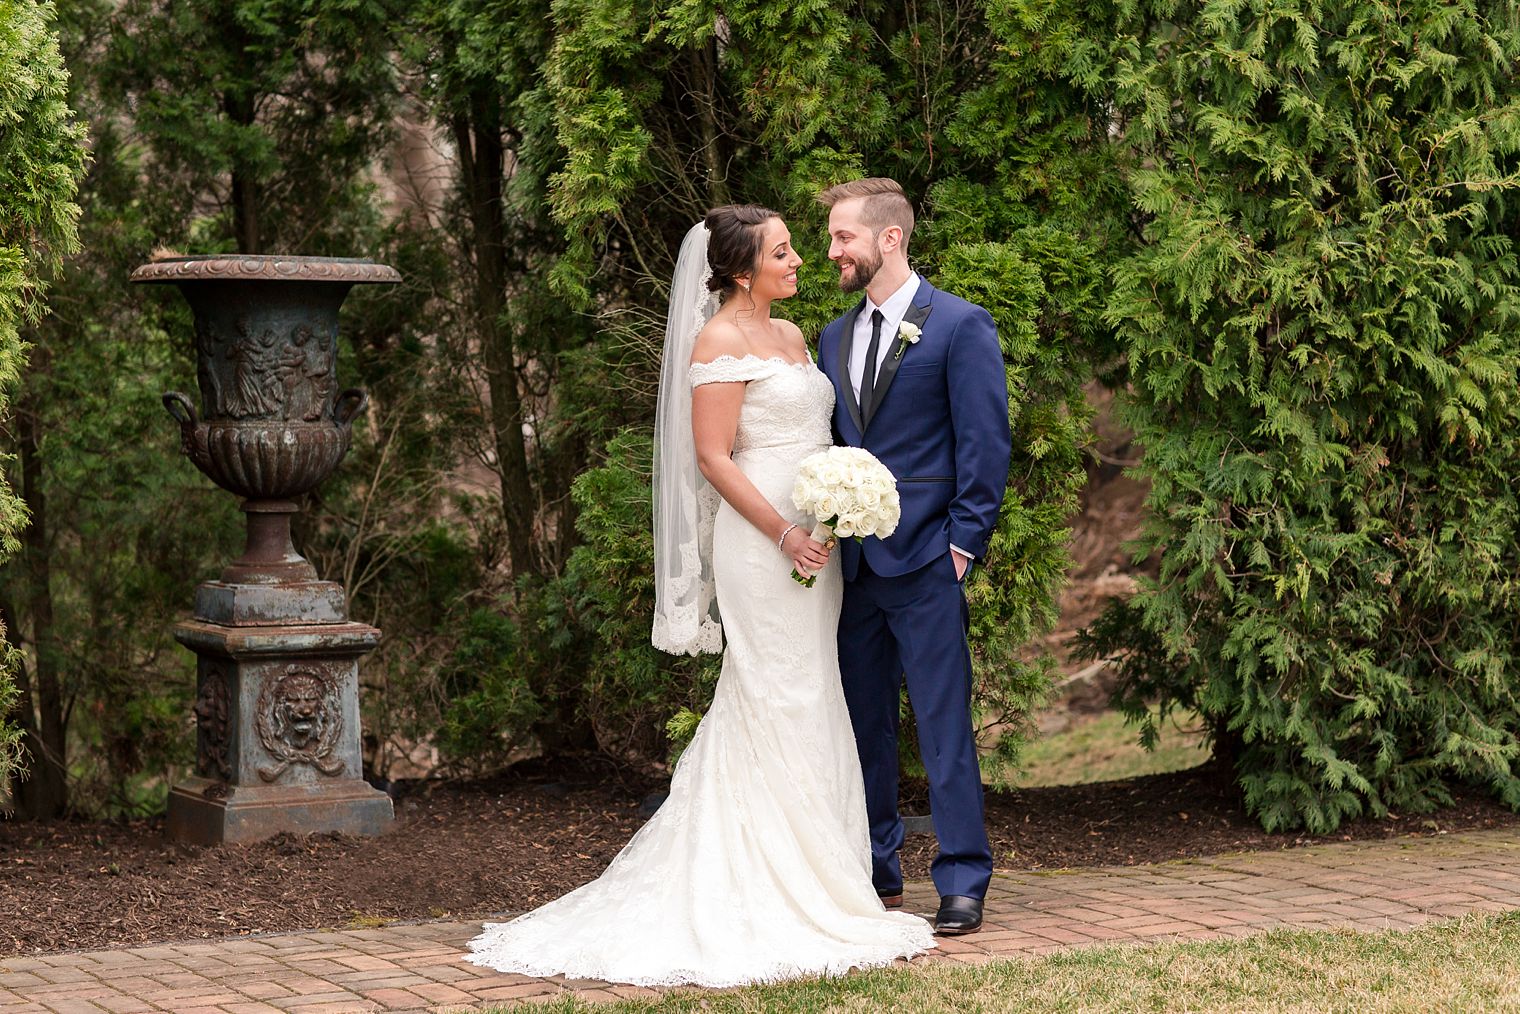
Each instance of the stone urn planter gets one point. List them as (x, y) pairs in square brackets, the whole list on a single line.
[(277, 707)]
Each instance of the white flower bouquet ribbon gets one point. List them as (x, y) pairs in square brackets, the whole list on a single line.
[(849, 494)]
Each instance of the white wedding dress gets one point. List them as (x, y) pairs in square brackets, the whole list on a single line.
[(758, 866)]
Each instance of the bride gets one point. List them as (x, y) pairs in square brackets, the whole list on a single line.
[(758, 865)]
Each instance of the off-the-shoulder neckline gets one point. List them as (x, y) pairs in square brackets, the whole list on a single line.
[(759, 359)]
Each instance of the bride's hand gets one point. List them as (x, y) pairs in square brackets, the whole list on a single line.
[(808, 556)]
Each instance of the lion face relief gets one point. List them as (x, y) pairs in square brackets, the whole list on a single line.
[(300, 722), (299, 711)]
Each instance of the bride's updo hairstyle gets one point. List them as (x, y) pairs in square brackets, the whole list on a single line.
[(733, 243)]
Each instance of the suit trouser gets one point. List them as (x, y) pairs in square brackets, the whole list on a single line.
[(914, 627)]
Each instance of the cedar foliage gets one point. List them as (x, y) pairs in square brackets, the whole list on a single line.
[(1320, 329), (42, 156)]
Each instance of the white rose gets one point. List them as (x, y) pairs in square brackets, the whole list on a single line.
[(910, 332), (825, 506)]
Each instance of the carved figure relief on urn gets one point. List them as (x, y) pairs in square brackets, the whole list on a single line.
[(271, 423)]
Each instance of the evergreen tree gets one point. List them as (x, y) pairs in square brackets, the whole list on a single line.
[(121, 526), (479, 65), (577, 141), (42, 156), (258, 109), (1001, 140), (1320, 329)]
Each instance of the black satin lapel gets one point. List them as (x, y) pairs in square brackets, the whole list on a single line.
[(916, 315), (847, 389)]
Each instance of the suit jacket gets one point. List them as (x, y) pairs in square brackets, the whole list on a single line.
[(940, 425)]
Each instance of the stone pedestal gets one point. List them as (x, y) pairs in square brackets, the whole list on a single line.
[(206, 812), (277, 742)]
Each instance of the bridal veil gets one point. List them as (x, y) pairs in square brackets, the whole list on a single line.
[(686, 620)]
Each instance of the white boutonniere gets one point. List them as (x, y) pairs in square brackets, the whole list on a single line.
[(907, 334)]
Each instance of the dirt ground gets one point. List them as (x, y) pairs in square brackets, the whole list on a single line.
[(517, 841)]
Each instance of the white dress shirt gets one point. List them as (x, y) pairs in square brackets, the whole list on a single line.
[(893, 309)]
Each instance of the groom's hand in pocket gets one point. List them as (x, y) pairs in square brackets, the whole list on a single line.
[(962, 562)]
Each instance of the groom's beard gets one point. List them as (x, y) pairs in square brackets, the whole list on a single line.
[(862, 271)]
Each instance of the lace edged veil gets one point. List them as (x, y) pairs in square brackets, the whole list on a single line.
[(686, 620)]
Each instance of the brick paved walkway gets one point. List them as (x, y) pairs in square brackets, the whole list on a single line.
[(1368, 886)]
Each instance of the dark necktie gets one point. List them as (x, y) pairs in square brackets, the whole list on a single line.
[(868, 375)]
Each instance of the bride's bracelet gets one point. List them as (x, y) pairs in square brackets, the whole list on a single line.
[(781, 542)]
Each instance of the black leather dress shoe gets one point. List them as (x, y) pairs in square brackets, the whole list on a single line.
[(958, 914)]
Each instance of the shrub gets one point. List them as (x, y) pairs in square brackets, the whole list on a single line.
[(42, 156), (1320, 328), (491, 707), (626, 688)]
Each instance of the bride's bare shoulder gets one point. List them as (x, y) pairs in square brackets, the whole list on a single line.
[(788, 328), (793, 336), (719, 338)]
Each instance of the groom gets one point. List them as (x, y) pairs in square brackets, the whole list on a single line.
[(919, 382)]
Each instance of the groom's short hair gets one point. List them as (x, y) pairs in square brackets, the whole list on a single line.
[(885, 203)]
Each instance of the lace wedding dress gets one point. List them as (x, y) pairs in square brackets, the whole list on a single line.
[(758, 865)]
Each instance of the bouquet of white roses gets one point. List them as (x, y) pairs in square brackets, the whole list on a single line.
[(849, 493)]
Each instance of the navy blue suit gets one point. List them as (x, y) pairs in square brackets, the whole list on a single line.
[(941, 426)]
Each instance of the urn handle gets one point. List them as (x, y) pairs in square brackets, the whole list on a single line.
[(349, 405), (181, 408)]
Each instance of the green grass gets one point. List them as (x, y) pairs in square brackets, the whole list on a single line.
[(1471, 964), (1103, 748)]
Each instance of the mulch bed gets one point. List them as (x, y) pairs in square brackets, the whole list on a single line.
[(516, 841)]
